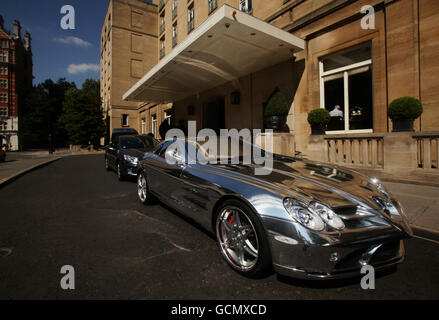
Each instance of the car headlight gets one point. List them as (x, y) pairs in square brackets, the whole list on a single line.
[(381, 189), (131, 159), (327, 215), (299, 212), (388, 207)]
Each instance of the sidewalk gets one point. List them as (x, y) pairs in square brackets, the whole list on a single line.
[(20, 163)]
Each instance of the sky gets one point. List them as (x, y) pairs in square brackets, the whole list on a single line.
[(57, 53)]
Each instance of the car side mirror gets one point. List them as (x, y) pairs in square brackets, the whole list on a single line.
[(173, 157)]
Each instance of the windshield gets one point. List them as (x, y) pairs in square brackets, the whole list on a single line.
[(131, 143), (149, 142), (224, 149)]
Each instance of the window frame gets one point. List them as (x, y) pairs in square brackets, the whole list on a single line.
[(143, 124), (248, 6), (191, 17), (4, 94), (345, 74), (125, 116), (154, 125), (4, 57), (6, 84)]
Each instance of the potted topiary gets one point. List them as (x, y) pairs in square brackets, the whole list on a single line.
[(276, 111), (403, 111), (318, 119)]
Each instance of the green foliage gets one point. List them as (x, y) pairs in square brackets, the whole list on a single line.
[(319, 117), (276, 105), (40, 114), (405, 108), (82, 116)]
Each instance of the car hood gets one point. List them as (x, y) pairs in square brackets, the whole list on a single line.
[(333, 185), (135, 152)]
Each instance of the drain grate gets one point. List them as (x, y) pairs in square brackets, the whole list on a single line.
[(4, 252)]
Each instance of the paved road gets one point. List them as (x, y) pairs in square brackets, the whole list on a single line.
[(73, 212)]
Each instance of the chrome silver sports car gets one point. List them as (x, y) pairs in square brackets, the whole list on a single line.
[(305, 219)]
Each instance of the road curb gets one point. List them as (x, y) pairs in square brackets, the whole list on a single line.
[(21, 173), (425, 233)]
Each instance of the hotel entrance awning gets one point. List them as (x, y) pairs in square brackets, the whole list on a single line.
[(230, 44)]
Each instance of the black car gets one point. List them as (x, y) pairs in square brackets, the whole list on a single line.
[(124, 153)]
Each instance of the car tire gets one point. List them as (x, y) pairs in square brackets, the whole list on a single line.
[(107, 164), (143, 192), (242, 240), (119, 171)]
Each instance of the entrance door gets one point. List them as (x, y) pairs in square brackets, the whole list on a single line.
[(215, 115)]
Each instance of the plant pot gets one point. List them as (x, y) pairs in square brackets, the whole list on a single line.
[(317, 130), (402, 125), (276, 123)]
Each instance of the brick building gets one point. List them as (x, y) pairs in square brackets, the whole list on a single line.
[(317, 52), (15, 80)]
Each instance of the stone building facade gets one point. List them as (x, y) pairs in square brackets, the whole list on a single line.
[(351, 58), (128, 50), (15, 81)]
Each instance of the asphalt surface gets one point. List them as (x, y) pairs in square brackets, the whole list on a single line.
[(73, 212)]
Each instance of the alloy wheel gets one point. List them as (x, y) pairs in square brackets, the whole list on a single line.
[(237, 238), (142, 188)]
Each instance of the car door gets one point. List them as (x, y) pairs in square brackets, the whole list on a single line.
[(112, 151), (165, 178)]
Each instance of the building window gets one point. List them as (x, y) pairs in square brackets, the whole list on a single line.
[(174, 9), (162, 47), (3, 98), (5, 44), (191, 18), (346, 89), (246, 6), (3, 112), (213, 4), (125, 120), (4, 71), (3, 84), (3, 57), (174, 35), (162, 23), (154, 125), (168, 116), (143, 126)]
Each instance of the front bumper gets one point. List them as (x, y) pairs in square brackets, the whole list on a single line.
[(300, 253), (130, 169)]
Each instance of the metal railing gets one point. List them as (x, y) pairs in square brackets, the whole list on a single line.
[(213, 4), (427, 150), (362, 150)]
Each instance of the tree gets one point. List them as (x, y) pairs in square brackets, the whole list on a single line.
[(82, 115), (39, 117)]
